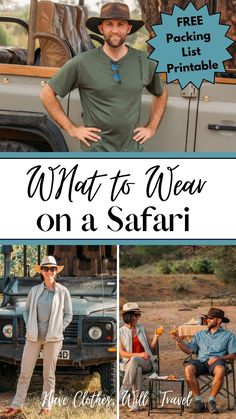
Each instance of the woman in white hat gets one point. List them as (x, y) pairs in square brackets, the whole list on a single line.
[(47, 313), (135, 351)]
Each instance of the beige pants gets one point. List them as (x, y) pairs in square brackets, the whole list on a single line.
[(29, 358), (134, 370)]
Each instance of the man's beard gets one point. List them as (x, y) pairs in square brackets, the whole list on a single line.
[(212, 325), (121, 41)]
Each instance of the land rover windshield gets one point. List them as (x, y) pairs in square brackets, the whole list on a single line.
[(84, 286)]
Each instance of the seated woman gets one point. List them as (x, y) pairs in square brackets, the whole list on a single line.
[(135, 351)]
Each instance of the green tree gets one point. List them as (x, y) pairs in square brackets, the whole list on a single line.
[(3, 36), (225, 264), (17, 260)]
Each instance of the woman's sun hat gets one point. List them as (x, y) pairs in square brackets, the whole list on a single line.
[(131, 307), (48, 261)]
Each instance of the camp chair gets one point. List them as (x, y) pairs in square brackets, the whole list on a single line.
[(226, 392)]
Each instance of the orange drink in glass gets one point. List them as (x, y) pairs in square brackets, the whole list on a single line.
[(173, 330), (160, 330)]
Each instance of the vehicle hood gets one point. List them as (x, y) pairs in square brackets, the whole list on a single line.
[(93, 306)]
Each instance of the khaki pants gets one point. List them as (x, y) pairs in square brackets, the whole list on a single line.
[(134, 370), (29, 358)]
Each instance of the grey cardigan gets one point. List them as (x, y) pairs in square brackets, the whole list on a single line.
[(61, 313), (126, 338)]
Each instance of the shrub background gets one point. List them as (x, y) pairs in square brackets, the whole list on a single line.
[(218, 260)]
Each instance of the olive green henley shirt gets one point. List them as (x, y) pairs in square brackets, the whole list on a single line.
[(111, 105)]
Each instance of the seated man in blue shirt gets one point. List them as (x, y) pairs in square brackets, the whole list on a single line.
[(213, 347)]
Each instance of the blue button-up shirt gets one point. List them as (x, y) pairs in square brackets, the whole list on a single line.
[(206, 344)]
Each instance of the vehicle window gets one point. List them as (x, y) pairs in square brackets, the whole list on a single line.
[(13, 35), (98, 286)]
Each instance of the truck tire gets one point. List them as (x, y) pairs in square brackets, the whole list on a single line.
[(108, 378), (15, 146), (7, 377)]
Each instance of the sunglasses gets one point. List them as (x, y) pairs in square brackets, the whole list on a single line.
[(47, 268), (137, 314), (116, 73)]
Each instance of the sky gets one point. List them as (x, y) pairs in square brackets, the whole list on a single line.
[(91, 3)]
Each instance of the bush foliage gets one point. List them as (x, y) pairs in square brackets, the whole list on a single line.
[(218, 260), (17, 259)]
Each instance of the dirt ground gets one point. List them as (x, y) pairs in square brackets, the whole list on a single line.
[(162, 288), (176, 310), (66, 387)]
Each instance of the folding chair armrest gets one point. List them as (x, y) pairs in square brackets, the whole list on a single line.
[(230, 361), (190, 356), (229, 364)]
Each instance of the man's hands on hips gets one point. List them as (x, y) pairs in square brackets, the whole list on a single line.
[(53, 106), (86, 134), (158, 105), (212, 360), (142, 134)]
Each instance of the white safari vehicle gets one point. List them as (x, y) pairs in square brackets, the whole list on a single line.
[(90, 339)]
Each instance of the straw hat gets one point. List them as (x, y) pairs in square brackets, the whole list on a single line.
[(117, 11), (48, 261), (131, 307)]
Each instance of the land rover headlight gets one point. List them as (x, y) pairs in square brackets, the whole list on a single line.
[(95, 332), (7, 330)]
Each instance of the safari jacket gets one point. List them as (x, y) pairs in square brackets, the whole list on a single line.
[(61, 313)]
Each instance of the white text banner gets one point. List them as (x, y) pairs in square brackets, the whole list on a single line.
[(117, 198)]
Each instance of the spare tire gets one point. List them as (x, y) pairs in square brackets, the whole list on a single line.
[(7, 377), (108, 376)]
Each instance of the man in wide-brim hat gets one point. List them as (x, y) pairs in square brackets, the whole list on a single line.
[(213, 347), (113, 11), (110, 79)]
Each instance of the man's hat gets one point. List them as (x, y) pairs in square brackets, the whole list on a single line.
[(48, 261), (217, 312), (131, 307), (116, 10)]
